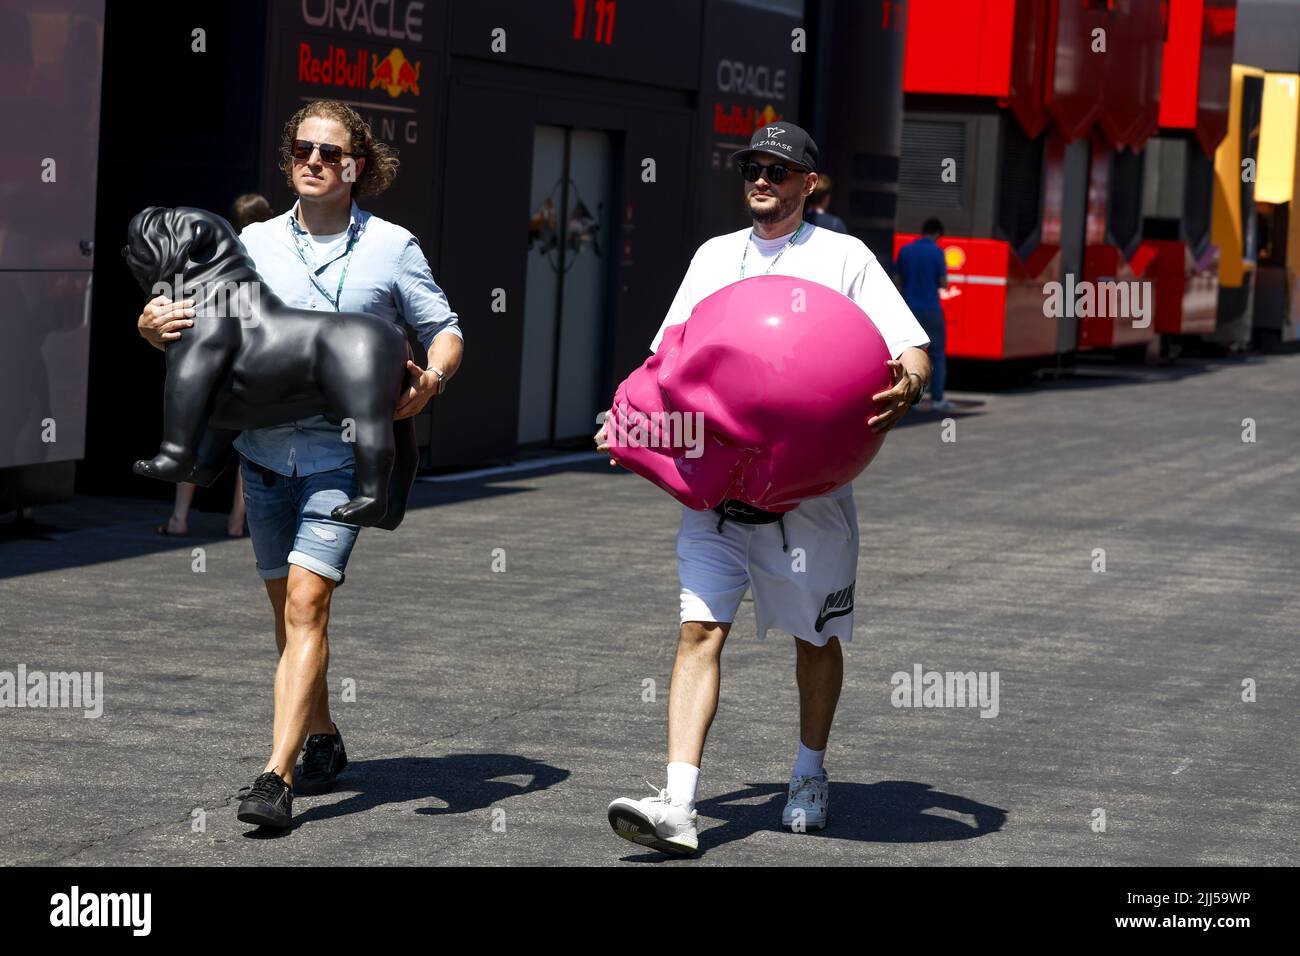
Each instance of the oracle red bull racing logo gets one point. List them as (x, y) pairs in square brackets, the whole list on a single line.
[(339, 66), (395, 74)]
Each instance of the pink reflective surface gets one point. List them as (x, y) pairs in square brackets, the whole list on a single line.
[(780, 372)]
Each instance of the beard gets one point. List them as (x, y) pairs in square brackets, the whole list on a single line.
[(785, 208)]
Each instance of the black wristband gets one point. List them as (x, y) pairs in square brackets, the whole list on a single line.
[(920, 388)]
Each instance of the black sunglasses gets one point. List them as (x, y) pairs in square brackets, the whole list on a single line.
[(330, 154), (775, 173)]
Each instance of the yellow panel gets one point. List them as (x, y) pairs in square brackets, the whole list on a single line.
[(1277, 138), (1226, 215), (1293, 249)]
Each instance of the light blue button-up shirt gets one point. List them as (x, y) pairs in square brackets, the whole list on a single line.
[(387, 276)]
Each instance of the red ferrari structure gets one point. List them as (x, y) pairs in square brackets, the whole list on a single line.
[(1024, 132)]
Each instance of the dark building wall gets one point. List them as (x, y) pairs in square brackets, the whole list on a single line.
[(177, 128), (750, 76), (853, 101)]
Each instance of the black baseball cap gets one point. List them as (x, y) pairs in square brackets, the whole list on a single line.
[(790, 142)]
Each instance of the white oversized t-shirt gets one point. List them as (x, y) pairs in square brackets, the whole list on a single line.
[(829, 258)]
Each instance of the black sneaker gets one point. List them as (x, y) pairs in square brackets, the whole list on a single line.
[(323, 759), (267, 803)]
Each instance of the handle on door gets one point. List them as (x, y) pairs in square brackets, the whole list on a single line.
[(87, 247)]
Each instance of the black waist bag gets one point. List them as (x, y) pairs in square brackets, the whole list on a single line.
[(737, 510), (742, 513)]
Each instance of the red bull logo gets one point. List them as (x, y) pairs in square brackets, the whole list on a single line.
[(338, 67), (742, 121), (395, 73)]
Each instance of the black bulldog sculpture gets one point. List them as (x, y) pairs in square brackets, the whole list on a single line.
[(250, 361)]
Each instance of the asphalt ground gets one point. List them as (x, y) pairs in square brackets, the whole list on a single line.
[(497, 712)]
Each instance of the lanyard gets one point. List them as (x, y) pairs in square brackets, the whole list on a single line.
[(772, 265), (311, 273)]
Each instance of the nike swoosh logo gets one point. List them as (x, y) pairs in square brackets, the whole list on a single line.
[(821, 621)]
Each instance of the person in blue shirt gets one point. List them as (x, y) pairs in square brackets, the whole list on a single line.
[(920, 272), (817, 208), (325, 254)]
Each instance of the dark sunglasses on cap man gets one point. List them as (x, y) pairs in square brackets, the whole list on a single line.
[(782, 140), (774, 173)]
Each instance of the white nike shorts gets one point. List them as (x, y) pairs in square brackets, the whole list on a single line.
[(806, 590)]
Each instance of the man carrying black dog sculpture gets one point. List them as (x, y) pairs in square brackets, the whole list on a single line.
[(301, 478)]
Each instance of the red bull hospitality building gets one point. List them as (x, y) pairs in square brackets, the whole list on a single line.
[(560, 162)]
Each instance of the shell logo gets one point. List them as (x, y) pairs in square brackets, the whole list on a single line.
[(953, 257)]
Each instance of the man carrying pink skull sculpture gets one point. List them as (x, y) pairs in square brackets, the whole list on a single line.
[(722, 555)]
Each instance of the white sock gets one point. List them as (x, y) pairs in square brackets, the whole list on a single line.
[(809, 762), (683, 778)]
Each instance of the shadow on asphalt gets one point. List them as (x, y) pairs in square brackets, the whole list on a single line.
[(464, 782), (93, 530), (1106, 376), (1087, 374), (1097, 372), (892, 811)]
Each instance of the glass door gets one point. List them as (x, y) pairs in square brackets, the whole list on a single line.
[(566, 290)]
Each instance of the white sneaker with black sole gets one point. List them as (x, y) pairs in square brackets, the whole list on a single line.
[(807, 804), (657, 823)]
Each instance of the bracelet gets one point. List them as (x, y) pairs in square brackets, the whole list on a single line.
[(920, 387), (442, 379)]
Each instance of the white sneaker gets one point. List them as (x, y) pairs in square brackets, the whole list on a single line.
[(807, 806), (943, 405), (656, 823)]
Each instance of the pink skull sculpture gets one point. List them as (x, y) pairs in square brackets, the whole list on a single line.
[(762, 395)]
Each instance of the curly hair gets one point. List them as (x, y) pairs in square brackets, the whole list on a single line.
[(380, 168)]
